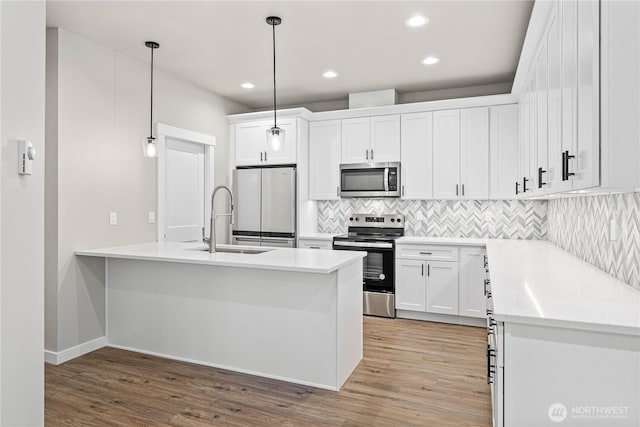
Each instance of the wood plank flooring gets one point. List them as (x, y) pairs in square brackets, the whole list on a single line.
[(413, 373)]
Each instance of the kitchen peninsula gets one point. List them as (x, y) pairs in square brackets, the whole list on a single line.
[(289, 314)]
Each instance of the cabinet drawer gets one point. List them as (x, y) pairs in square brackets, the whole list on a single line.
[(315, 244), (428, 252)]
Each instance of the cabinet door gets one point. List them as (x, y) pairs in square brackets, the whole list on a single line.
[(471, 298), (410, 284), (384, 145), (524, 142), (554, 104), (533, 135), (541, 168), (587, 173), (355, 140), (504, 144), (446, 154), (416, 156), (569, 28), (251, 142), (324, 160), (474, 153), (442, 287), (286, 155)]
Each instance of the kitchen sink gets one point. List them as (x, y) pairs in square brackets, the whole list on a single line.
[(235, 250)]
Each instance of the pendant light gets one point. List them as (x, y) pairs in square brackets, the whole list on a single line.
[(275, 135), (150, 145)]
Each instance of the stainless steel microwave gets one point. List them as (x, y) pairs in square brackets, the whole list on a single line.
[(370, 180)]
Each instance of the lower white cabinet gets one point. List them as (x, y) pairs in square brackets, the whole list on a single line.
[(471, 300), (315, 244), (428, 281)]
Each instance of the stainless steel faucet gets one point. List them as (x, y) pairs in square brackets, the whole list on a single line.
[(211, 241)]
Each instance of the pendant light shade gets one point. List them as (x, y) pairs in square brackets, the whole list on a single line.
[(275, 135), (150, 145)]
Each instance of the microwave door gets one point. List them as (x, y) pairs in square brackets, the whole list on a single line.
[(364, 182)]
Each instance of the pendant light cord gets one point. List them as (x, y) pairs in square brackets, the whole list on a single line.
[(151, 109), (273, 27)]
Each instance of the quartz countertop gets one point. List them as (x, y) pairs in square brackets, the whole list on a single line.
[(536, 282), (457, 241), (301, 260)]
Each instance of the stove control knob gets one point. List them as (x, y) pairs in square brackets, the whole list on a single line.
[(357, 219), (350, 219), (397, 220), (393, 220)]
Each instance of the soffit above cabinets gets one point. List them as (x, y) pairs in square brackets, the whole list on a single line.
[(218, 45)]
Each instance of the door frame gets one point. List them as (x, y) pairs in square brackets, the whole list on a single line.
[(164, 131)]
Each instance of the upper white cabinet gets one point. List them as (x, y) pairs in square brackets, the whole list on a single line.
[(251, 148), (416, 156), (371, 139), (461, 154), (580, 100), (324, 159), (504, 144)]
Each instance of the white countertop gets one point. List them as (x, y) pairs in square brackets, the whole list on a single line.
[(457, 241), (536, 282), (317, 236), (302, 260)]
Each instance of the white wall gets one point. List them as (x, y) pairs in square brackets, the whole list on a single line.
[(22, 80), (101, 116)]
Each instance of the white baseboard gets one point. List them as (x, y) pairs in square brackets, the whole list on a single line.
[(71, 353), (442, 318)]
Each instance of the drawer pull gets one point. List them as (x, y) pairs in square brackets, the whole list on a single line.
[(426, 253), (314, 247)]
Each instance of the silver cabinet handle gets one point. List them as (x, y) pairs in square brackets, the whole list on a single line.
[(314, 247), (402, 190), (372, 154), (456, 189), (338, 191), (261, 155), (463, 189), (265, 156), (426, 253), (422, 269), (428, 269), (366, 153)]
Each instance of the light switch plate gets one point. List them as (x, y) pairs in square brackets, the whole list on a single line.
[(113, 218), (419, 216), (488, 216), (152, 217)]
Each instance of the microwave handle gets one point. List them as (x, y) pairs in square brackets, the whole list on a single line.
[(386, 179)]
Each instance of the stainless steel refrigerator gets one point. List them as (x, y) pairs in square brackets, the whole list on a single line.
[(265, 207)]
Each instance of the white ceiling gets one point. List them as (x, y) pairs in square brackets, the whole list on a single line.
[(220, 44)]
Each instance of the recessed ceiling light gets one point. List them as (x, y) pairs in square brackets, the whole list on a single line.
[(329, 74), (430, 60), (416, 21), (248, 85)]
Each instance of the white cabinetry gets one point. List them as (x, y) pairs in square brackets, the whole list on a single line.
[(371, 139), (580, 99), (251, 148), (324, 160), (504, 144), (416, 156), (471, 300), (461, 154), (315, 244), (442, 287), (410, 285)]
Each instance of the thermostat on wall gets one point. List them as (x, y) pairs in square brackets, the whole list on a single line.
[(26, 154)]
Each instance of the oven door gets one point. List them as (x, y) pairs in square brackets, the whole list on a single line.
[(377, 267)]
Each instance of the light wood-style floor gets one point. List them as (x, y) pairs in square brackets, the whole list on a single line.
[(413, 373)]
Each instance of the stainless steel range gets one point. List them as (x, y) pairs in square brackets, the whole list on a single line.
[(375, 234)]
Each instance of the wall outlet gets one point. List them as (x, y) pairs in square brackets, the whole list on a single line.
[(419, 216), (152, 217), (613, 230), (488, 216), (113, 218)]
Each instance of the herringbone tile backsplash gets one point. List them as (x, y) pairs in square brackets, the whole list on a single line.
[(581, 225), (498, 219)]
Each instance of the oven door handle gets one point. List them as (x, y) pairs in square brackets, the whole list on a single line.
[(381, 245)]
